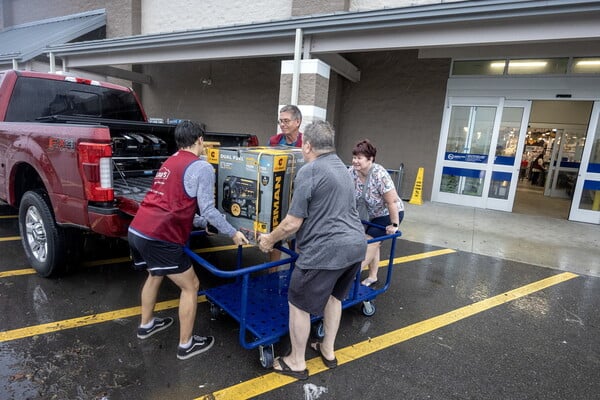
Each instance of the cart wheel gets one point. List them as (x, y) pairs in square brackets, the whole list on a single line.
[(266, 354), (214, 311), (318, 331), (368, 308)]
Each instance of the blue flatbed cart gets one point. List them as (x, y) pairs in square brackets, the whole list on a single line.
[(257, 299)]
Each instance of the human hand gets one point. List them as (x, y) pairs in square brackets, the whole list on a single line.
[(264, 243), (391, 229), (239, 239)]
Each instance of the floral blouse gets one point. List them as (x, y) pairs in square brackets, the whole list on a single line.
[(379, 184)]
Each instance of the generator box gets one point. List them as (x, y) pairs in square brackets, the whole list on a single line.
[(254, 185)]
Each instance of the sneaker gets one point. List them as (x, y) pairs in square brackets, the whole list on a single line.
[(199, 345), (159, 324)]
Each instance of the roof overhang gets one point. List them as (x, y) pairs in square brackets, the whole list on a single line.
[(446, 25), (22, 43)]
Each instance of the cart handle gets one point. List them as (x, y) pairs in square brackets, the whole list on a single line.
[(241, 271)]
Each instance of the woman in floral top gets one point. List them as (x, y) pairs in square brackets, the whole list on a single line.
[(384, 206)]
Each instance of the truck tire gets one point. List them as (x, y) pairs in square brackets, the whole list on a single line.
[(45, 243)]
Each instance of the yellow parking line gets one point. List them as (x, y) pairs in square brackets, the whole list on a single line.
[(107, 316), (16, 272), (8, 216), (29, 271), (83, 321), (10, 238), (271, 381)]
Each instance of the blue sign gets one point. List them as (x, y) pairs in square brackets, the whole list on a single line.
[(466, 157)]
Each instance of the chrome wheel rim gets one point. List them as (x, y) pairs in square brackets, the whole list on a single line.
[(35, 233)]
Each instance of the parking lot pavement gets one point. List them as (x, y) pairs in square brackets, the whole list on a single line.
[(452, 325)]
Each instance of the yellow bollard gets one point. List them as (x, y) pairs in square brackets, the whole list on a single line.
[(417, 197)]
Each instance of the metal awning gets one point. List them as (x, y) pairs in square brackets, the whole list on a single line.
[(22, 43)]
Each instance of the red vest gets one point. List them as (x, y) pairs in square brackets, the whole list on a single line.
[(167, 212)]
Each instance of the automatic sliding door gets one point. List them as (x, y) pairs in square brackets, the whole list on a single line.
[(509, 149), (479, 154), (586, 198)]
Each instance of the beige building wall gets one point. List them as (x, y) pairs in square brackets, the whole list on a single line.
[(398, 105), (242, 95), (175, 15), (123, 16), (365, 5)]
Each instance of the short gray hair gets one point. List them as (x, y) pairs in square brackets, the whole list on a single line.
[(294, 110), (321, 136)]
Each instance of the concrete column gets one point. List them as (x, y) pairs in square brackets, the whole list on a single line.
[(313, 89)]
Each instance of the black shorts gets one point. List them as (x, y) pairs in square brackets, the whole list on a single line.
[(385, 220), (310, 288), (158, 257)]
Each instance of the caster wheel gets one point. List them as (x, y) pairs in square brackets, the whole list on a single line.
[(318, 331), (368, 308), (266, 356), (214, 311)]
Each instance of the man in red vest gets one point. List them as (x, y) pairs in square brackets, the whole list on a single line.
[(161, 228)]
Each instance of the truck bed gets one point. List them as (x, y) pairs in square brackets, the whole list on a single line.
[(133, 188)]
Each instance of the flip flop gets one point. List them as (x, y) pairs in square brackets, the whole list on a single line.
[(316, 346), (286, 370), (368, 282)]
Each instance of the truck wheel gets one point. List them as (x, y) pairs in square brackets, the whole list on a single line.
[(44, 242)]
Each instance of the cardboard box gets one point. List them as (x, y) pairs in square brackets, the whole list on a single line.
[(254, 185)]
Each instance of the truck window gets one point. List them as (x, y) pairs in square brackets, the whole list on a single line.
[(33, 98)]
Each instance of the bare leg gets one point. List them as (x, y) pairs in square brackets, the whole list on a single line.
[(188, 302), (374, 264), (299, 333), (149, 294), (331, 324), (372, 260)]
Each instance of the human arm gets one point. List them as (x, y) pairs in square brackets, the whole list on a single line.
[(391, 201), (390, 198), (199, 181), (288, 226)]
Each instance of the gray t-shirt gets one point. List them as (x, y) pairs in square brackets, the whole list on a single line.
[(331, 235)]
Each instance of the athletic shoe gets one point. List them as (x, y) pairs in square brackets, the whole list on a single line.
[(199, 345), (159, 324)]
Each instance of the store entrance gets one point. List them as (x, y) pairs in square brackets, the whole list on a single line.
[(556, 134)]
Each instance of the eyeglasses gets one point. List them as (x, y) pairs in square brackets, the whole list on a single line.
[(284, 121)]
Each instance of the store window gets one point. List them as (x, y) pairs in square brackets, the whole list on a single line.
[(538, 66), (478, 67), (586, 66)]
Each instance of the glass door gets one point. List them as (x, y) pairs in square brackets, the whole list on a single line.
[(480, 152), (565, 160), (509, 150), (586, 196)]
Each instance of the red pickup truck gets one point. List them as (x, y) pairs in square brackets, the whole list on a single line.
[(77, 156)]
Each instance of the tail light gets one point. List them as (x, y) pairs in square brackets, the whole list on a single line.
[(253, 141), (95, 165)]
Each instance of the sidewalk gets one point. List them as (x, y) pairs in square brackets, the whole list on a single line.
[(549, 242)]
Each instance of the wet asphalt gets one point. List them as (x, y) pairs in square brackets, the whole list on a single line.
[(452, 325)]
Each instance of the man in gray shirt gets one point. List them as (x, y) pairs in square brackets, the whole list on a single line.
[(330, 242)]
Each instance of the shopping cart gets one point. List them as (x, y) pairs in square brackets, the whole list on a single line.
[(257, 299)]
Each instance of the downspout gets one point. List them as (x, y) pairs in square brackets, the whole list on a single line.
[(296, 72)]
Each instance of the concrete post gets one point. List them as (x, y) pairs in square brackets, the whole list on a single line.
[(313, 89)]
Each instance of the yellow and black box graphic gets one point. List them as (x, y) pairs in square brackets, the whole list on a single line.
[(254, 185)]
